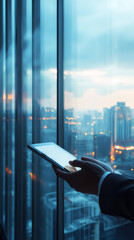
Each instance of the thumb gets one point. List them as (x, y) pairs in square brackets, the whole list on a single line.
[(78, 163), (62, 174)]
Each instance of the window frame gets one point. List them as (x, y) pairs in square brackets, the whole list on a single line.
[(60, 114)]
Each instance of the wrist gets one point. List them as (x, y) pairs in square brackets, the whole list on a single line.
[(100, 173), (102, 180)]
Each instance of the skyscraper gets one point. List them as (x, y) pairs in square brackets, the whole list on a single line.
[(122, 122)]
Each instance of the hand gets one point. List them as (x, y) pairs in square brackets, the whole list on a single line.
[(87, 179), (102, 164)]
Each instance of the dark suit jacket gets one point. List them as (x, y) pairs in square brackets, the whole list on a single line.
[(117, 196)]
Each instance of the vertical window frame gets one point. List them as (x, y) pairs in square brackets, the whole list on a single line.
[(35, 116), (20, 120), (60, 115), (1, 111)]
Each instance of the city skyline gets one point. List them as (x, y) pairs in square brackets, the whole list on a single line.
[(84, 89)]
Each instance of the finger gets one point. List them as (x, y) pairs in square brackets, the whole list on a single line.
[(54, 168), (70, 168), (78, 163), (96, 168), (92, 160), (67, 175), (86, 165), (102, 164), (62, 174)]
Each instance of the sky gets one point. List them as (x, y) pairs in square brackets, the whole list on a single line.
[(99, 53)]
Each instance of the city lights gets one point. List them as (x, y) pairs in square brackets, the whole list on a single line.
[(33, 176), (49, 118), (93, 154), (112, 158), (124, 148), (4, 96), (10, 96), (9, 171)]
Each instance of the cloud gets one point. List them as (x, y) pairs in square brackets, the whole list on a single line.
[(91, 100), (98, 53), (104, 81), (89, 88)]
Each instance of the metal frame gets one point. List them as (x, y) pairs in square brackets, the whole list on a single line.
[(20, 120), (60, 116), (1, 112), (35, 115), (8, 140)]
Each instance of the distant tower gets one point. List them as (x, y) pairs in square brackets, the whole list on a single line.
[(122, 122), (107, 121), (117, 124)]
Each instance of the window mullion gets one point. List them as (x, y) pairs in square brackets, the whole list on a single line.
[(20, 123), (60, 117), (35, 115), (1, 110)]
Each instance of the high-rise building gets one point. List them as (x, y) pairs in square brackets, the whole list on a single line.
[(117, 122), (117, 125), (122, 120), (80, 215), (107, 121), (132, 124)]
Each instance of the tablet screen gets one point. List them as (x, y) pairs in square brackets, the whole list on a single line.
[(57, 154)]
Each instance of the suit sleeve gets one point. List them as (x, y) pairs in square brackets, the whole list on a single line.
[(117, 196)]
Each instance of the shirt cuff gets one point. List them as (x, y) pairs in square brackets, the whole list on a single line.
[(101, 181)]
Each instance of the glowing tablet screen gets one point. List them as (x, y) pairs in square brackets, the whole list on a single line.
[(58, 155)]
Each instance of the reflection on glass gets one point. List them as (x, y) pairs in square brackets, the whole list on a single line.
[(27, 105), (46, 122), (9, 97), (99, 106), (2, 115)]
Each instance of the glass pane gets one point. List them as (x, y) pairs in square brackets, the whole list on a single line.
[(99, 115), (10, 120), (28, 56), (23, 123), (27, 104), (45, 118), (2, 112)]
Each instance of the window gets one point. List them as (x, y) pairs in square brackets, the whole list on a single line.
[(98, 73), (81, 52)]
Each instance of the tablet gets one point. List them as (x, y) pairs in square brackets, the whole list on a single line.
[(55, 155)]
